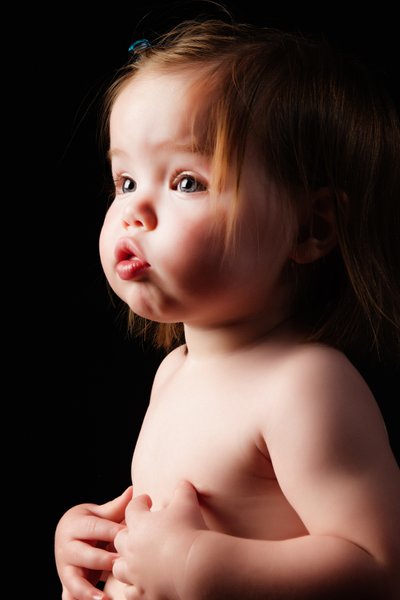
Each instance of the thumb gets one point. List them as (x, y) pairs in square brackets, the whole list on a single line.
[(139, 504), (142, 502), (186, 500), (185, 491), (114, 510)]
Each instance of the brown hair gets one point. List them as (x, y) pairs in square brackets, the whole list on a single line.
[(318, 120)]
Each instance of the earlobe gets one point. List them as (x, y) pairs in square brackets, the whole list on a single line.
[(318, 235)]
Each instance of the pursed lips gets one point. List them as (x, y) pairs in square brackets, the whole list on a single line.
[(129, 262)]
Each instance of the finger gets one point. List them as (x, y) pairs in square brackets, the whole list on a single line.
[(186, 501), (185, 491), (119, 571), (132, 593), (120, 542), (140, 504), (115, 509), (127, 575), (90, 557), (96, 529), (79, 588)]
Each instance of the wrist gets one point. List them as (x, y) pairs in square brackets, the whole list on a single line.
[(204, 569)]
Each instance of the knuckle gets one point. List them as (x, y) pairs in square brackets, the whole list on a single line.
[(91, 527)]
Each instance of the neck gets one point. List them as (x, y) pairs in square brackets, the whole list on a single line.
[(213, 341)]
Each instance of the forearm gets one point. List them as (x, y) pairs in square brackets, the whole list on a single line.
[(310, 567)]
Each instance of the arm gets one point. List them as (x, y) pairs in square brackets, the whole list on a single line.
[(332, 459), (172, 556), (81, 536)]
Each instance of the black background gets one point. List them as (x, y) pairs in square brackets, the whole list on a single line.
[(92, 382)]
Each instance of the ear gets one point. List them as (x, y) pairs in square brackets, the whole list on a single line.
[(317, 233)]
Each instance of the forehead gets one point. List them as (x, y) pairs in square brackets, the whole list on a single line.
[(157, 105)]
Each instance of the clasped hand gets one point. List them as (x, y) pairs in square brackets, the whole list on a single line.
[(154, 548)]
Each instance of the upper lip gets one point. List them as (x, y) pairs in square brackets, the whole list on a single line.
[(126, 249)]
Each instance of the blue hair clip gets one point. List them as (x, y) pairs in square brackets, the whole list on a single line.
[(139, 45)]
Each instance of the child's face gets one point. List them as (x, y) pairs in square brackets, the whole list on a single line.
[(162, 242)]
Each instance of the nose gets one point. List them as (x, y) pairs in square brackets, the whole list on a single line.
[(139, 212)]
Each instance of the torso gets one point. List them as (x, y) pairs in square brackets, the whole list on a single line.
[(208, 428)]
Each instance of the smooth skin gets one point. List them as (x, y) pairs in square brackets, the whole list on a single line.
[(263, 467)]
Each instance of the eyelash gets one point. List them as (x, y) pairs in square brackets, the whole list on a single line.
[(119, 182), (180, 174), (177, 176)]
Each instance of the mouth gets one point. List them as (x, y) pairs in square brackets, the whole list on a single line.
[(129, 262)]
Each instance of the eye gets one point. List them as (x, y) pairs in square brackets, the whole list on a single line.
[(184, 182), (128, 185), (125, 185)]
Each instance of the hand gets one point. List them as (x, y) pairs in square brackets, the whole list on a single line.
[(81, 538), (155, 545)]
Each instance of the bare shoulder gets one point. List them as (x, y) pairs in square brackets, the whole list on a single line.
[(324, 406), (168, 367), (314, 368), (314, 356), (321, 396)]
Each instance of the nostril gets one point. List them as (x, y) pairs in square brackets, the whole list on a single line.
[(139, 216), (136, 223)]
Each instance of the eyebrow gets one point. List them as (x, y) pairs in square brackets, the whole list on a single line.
[(167, 145)]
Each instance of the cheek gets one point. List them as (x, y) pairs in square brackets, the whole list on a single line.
[(106, 240), (195, 259)]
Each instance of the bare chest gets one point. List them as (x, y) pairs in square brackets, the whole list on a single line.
[(211, 443), (212, 438)]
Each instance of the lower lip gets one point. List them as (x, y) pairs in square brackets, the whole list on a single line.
[(131, 269)]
